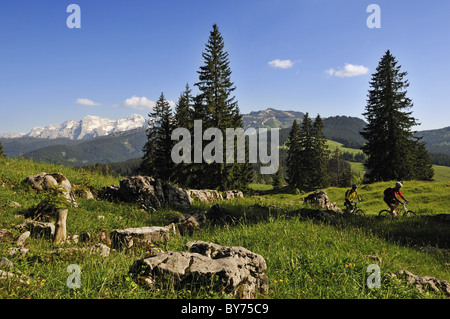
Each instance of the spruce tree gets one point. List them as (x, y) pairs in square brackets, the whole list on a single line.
[(293, 156), (390, 147), (336, 167), (307, 158), (2, 154), (183, 110), (307, 154), (277, 181), (320, 154), (184, 118), (422, 164), (157, 161), (216, 107)]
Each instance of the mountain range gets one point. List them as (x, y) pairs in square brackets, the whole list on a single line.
[(97, 140), (87, 128)]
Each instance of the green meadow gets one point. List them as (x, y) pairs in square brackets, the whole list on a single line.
[(306, 258)]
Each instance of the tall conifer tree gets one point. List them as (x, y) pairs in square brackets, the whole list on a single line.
[(391, 148), (216, 107)]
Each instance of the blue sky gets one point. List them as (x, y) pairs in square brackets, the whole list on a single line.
[(312, 56)]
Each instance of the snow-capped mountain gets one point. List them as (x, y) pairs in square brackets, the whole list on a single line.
[(89, 127)]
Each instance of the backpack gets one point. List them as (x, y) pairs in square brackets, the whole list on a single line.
[(388, 193)]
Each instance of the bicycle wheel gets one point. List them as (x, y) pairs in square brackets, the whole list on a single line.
[(360, 212), (408, 214), (385, 214)]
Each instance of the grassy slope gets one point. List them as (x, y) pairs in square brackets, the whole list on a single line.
[(305, 259)]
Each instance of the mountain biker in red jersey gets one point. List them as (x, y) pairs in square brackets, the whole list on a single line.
[(391, 197)]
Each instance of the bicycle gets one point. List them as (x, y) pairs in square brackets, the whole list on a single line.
[(356, 211), (386, 213)]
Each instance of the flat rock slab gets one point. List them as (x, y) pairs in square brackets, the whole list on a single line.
[(127, 238)]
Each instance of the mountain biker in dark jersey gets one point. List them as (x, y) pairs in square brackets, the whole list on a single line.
[(391, 197), (350, 194)]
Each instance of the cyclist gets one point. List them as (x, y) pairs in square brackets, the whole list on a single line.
[(350, 195), (391, 197)]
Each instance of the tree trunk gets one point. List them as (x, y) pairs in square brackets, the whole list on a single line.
[(60, 227)]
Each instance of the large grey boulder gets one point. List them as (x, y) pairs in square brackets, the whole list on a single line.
[(44, 181), (320, 199), (233, 270), (150, 193)]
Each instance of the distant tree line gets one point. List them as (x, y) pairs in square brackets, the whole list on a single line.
[(310, 164), (440, 159)]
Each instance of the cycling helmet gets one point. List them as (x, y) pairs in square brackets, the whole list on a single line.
[(354, 186), (398, 184)]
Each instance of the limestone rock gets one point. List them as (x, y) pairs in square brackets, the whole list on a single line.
[(21, 252), (151, 193), (176, 197), (38, 229), (5, 234), (188, 223), (205, 195), (22, 238), (6, 263), (100, 249), (14, 204), (231, 194), (127, 238), (233, 270), (5, 275), (439, 286), (321, 200)]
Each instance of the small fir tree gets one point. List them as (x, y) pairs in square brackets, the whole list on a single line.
[(2, 154), (157, 161), (277, 181), (293, 155)]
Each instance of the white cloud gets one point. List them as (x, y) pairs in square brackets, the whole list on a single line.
[(86, 102), (282, 64), (141, 103), (348, 71)]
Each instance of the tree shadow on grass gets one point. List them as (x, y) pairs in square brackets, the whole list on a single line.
[(419, 231)]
